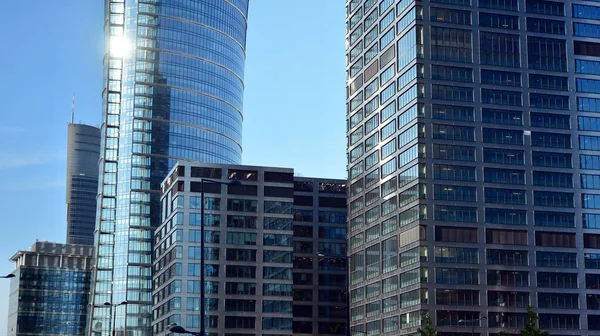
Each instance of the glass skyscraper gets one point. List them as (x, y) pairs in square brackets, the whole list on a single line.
[(473, 161), (83, 152), (173, 91)]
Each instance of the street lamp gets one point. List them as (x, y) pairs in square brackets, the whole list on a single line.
[(8, 276), (473, 323), (322, 255), (113, 313), (202, 311), (180, 330)]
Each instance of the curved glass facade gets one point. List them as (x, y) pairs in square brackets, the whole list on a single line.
[(174, 87)]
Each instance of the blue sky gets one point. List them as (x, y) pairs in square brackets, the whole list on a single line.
[(294, 102)]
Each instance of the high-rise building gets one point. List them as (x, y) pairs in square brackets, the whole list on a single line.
[(320, 259), (83, 152), (50, 291), (263, 274), (473, 165), (173, 91)]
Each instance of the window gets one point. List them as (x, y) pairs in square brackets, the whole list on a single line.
[(551, 140), (588, 123), (586, 12), (271, 223), (553, 199), (509, 176), (235, 271), (451, 44), (450, 16), (510, 5), (241, 205), (586, 29), (545, 7), (507, 278), (588, 104), (239, 322), (270, 239), (591, 240), (507, 257), (547, 54), (240, 255), (454, 173), (505, 117), (545, 82), (279, 273), (586, 48), (277, 256), (504, 156), (551, 179), (503, 78), (586, 66), (588, 85), (270, 289), (278, 207), (501, 97), (455, 213), (452, 152), (554, 239), (282, 307), (493, 20), (590, 201), (455, 193), (451, 112), (559, 321), (457, 297), (408, 48), (589, 161), (461, 255), (233, 305), (545, 26), (453, 132), (449, 73), (554, 219), (505, 216), (508, 299), (500, 49), (547, 159), (456, 276), (508, 237), (241, 238), (556, 280), (455, 234), (556, 259), (504, 196), (547, 120), (502, 136)]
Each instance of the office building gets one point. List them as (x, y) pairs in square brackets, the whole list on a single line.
[(263, 275), (83, 152), (50, 291), (173, 91), (473, 165), (320, 259)]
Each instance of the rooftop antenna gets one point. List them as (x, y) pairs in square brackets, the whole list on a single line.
[(73, 110)]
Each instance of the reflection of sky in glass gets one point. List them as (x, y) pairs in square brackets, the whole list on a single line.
[(179, 97)]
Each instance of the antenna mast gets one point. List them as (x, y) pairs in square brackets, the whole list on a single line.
[(73, 110)]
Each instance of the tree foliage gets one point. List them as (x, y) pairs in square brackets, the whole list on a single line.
[(531, 327), (428, 329)]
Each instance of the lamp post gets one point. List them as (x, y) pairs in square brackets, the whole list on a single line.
[(113, 313), (473, 323), (8, 276), (322, 255), (202, 311)]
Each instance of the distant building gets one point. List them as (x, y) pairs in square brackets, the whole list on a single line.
[(249, 253), (50, 291), (83, 153), (320, 262)]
